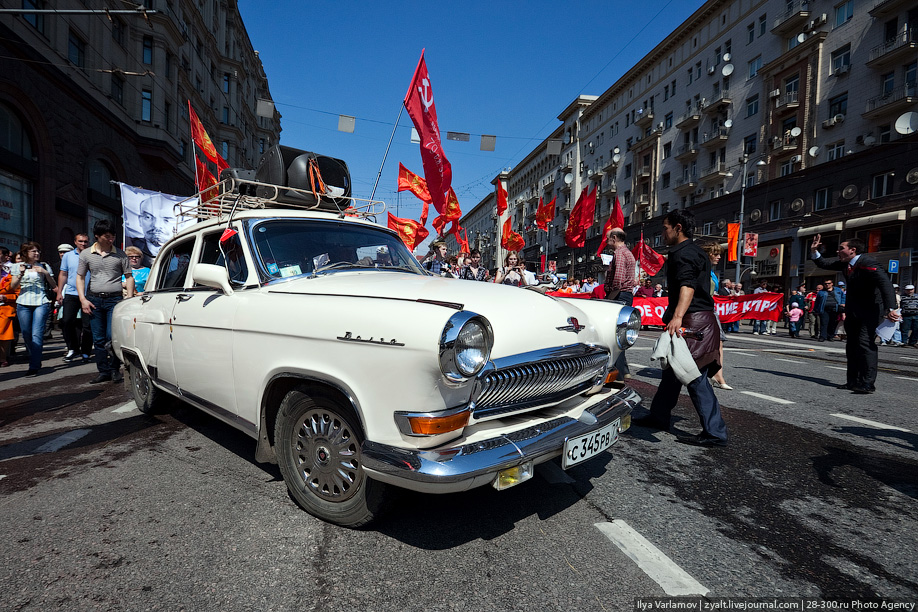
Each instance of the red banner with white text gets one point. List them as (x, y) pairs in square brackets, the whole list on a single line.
[(761, 306)]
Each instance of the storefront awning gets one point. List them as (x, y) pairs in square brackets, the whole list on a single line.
[(820, 229), (896, 215)]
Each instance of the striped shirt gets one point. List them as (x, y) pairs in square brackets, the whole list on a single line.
[(106, 269), (32, 288)]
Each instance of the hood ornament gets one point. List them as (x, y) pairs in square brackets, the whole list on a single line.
[(574, 326)]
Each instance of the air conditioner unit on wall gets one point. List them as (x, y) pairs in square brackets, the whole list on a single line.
[(775, 93), (710, 69), (795, 159), (843, 69), (829, 123)]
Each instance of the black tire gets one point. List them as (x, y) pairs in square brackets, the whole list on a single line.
[(317, 444), (148, 398)]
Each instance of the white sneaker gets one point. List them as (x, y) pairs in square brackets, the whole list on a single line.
[(69, 354)]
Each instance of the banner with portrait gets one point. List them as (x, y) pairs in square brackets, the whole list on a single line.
[(150, 219)]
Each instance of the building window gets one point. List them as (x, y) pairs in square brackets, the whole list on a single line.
[(183, 150), (889, 82), (749, 144), (627, 170), (148, 50), (668, 121), (911, 76), (225, 148), (821, 201), (261, 145), (118, 89), (226, 82), (836, 150), (167, 117), (750, 33), (76, 51), (667, 150), (841, 58), (36, 20), (665, 180), (844, 12), (885, 133), (787, 168), (118, 29), (146, 105), (665, 93), (754, 66), (774, 210), (752, 105), (763, 24), (707, 228), (838, 105), (225, 118), (882, 185)]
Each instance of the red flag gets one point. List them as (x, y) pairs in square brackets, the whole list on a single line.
[(463, 242), (452, 213), (509, 239), (408, 180), (589, 210), (574, 235), (544, 215), (419, 102), (616, 219), (501, 199), (732, 240), (410, 231), (650, 260), (205, 180), (199, 136)]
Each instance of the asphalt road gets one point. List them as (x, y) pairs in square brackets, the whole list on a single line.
[(107, 509)]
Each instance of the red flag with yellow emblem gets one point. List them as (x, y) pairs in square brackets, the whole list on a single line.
[(199, 136), (409, 181), (451, 212), (410, 231), (545, 214), (509, 239)]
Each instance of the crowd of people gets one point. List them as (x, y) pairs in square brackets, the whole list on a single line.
[(77, 300)]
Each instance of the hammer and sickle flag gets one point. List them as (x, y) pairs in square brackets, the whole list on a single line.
[(410, 231), (200, 137), (409, 181)]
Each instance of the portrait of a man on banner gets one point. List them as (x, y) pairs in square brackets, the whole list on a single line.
[(150, 220)]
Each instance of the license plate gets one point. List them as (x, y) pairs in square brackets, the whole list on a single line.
[(581, 448)]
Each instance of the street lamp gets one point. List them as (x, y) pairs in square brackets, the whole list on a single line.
[(742, 212)]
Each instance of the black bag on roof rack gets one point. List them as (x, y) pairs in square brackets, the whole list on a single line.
[(327, 178)]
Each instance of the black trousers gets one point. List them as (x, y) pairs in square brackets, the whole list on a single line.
[(861, 351), (77, 333)]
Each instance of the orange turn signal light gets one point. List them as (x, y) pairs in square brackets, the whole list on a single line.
[(611, 377), (431, 426)]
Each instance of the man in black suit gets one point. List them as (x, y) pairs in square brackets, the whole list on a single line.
[(870, 298)]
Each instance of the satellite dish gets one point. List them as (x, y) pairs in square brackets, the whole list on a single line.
[(797, 205), (616, 158), (849, 192), (870, 140), (814, 151), (590, 172), (912, 177), (801, 37), (756, 214), (728, 123), (568, 178), (726, 57), (907, 123), (796, 132), (727, 70), (721, 223)]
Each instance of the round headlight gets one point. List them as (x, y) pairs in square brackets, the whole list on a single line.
[(465, 346), (628, 328)]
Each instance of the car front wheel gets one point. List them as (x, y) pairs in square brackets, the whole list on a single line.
[(318, 450), (147, 397)]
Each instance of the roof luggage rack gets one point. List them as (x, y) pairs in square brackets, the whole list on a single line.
[(218, 201)]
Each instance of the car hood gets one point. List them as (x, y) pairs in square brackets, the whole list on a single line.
[(522, 320)]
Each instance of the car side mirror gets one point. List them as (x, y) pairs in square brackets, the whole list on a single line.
[(213, 276)]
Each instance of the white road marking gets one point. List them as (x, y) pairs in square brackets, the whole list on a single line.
[(2, 476), (871, 423), (770, 398), (636, 365), (62, 441), (906, 378), (671, 578), (837, 368), (736, 352), (129, 407), (787, 360), (910, 358), (640, 348)]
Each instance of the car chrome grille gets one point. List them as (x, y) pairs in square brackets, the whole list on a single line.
[(537, 383)]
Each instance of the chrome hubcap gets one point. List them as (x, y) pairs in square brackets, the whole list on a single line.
[(327, 455)]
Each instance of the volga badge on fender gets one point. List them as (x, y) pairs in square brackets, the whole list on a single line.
[(349, 337)]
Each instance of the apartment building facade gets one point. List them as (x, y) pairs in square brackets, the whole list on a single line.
[(784, 108), (91, 97)]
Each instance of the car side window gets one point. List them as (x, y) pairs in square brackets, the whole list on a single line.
[(173, 266), (234, 261)]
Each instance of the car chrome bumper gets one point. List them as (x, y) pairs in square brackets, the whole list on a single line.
[(458, 468)]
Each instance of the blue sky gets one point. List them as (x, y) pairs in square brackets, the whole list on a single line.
[(501, 68)]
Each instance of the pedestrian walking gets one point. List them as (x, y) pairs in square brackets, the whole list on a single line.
[(909, 326), (106, 263), (794, 316), (77, 333), (620, 282), (715, 252), (870, 299), (35, 282), (7, 315), (691, 307)]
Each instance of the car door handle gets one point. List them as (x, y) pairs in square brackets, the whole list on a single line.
[(146, 298), (182, 297)]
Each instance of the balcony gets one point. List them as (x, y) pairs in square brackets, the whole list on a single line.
[(610, 188), (888, 8), (643, 172), (610, 167), (597, 176), (549, 186), (642, 201), (720, 101), (644, 117), (783, 145), (714, 173), (788, 101), (686, 151), (894, 50), (715, 138), (690, 119), (565, 166), (793, 19), (899, 100), (686, 184)]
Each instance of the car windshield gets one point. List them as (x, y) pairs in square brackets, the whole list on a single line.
[(291, 247)]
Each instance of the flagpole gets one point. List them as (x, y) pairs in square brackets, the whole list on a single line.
[(386, 154)]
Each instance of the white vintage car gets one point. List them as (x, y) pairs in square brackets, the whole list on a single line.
[(353, 368)]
